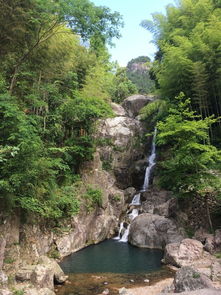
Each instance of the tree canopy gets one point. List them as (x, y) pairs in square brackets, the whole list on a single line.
[(55, 82)]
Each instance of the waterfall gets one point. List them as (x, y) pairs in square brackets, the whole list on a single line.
[(133, 214), (151, 163), (120, 231), (136, 199), (124, 238)]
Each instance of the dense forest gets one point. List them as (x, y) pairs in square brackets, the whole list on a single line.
[(187, 73), (56, 80)]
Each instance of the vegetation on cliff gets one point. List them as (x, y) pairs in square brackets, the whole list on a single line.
[(187, 72), (55, 82)]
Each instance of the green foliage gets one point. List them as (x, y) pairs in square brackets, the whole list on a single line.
[(9, 260), (188, 38), (53, 89), (18, 292), (187, 167), (155, 110), (122, 87), (93, 198), (218, 255), (138, 72)]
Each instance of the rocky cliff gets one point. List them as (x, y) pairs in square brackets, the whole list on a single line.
[(23, 242)]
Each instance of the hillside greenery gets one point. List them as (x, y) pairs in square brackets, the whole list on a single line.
[(138, 72), (55, 82), (187, 73)]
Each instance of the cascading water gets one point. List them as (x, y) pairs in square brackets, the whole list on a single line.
[(136, 199), (151, 163)]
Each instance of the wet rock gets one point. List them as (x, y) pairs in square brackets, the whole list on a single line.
[(153, 231), (133, 104), (129, 194), (184, 253)]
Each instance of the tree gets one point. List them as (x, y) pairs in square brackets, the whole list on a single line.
[(188, 41), (122, 86), (187, 169)]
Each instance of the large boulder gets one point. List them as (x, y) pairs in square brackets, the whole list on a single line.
[(42, 277), (185, 253), (44, 274), (120, 130), (159, 202), (153, 231), (59, 276), (133, 104), (188, 279), (118, 109)]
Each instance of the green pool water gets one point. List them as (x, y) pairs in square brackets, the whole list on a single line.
[(112, 256)]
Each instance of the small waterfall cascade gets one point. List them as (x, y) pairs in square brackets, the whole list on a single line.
[(136, 202), (151, 163)]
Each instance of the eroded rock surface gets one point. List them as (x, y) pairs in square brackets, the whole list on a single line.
[(153, 231), (184, 253), (133, 104)]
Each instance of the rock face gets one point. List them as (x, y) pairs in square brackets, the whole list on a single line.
[(135, 103), (153, 231), (120, 130), (42, 275), (188, 279), (159, 202), (124, 147), (184, 253)]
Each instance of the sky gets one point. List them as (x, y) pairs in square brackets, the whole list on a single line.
[(135, 40)]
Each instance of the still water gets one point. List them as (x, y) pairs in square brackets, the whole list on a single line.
[(113, 257), (111, 265)]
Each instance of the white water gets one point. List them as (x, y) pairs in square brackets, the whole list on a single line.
[(124, 238), (136, 200), (133, 214), (151, 161), (120, 230)]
